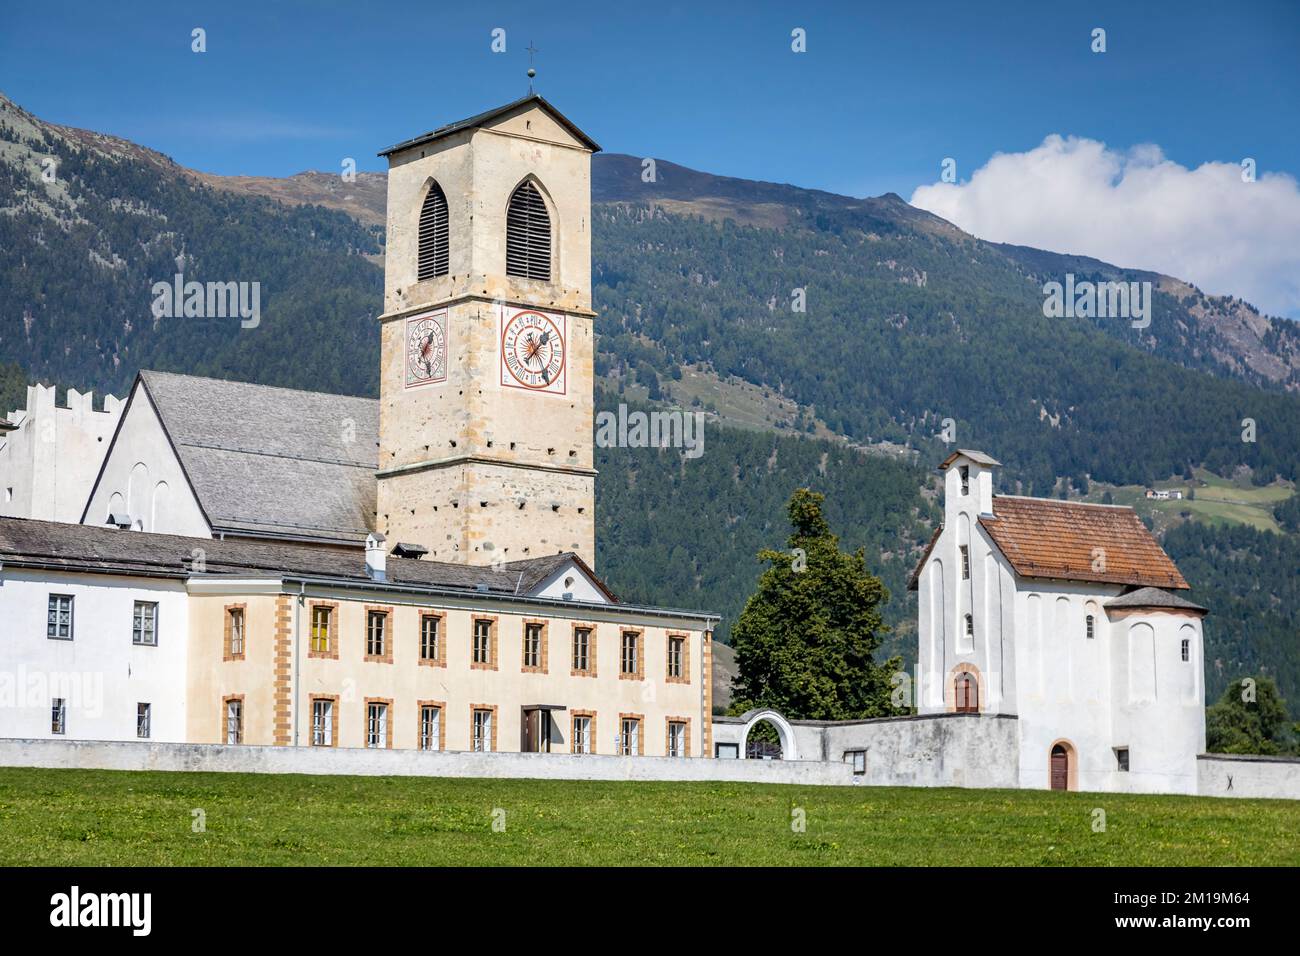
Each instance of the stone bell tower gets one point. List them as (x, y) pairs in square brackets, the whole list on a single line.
[(485, 422)]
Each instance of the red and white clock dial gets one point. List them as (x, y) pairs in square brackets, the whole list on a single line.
[(426, 349), (533, 350)]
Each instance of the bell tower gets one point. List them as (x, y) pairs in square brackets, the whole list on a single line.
[(485, 422)]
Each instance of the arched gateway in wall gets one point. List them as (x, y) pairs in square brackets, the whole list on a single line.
[(784, 732)]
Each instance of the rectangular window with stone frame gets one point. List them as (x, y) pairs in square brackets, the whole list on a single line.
[(324, 636), (324, 721), (631, 656), (584, 651), (376, 635), (629, 735), (535, 647), (432, 646), (379, 728), (483, 652), (483, 732), (432, 728), (583, 737), (234, 720), (678, 738), (236, 629), (678, 670)]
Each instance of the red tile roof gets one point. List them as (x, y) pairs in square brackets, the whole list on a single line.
[(1044, 538)]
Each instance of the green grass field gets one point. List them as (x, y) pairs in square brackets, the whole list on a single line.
[(91, 817)]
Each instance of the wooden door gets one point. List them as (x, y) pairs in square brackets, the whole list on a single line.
[(968, 695), (1060, 768), (529, 743)]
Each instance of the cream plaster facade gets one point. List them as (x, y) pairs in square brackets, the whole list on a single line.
[(350, 677)]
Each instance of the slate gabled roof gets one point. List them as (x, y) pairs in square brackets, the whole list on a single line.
[(1157, 598), (978, 457), (488, 116), (1045, 538), (73, 547), (274, 461)]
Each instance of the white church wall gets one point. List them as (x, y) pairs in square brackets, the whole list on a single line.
[(1065, 698), (930, 616), (100, 673), (1157, 702), (1126, 687), (945, 598), (48, 464), (143, 478)]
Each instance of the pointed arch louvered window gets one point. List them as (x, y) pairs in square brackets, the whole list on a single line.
[(528, 234), (433, 235)]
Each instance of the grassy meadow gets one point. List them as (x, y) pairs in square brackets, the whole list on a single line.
[(125, 818)]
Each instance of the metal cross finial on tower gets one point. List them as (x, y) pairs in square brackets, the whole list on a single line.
[(531, 72)]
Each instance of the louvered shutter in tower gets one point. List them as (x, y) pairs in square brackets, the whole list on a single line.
[(528, 235), (433, 235)]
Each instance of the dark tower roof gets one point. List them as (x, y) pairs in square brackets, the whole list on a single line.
[(483, 118)]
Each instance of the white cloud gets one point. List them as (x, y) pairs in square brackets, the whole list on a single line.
[(1139, 210)]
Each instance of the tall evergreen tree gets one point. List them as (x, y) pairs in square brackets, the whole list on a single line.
[(807, 639)]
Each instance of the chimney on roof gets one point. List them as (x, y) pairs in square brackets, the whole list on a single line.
[(376, 559)]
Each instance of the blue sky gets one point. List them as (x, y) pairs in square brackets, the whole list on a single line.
[(884, 93), (1129, 155)]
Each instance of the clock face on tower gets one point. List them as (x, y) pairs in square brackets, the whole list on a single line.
[(533, 352), (426, 348)]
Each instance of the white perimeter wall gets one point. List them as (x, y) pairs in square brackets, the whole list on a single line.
[(100, 673), (941, 750), (90, 754), (1249, 776)]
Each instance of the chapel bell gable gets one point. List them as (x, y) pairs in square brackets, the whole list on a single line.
[(968, 483)]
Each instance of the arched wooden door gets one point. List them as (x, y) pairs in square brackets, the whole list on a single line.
[(967, 694), (1060, 768)]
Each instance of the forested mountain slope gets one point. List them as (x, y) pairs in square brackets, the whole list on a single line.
[(907, 322)]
